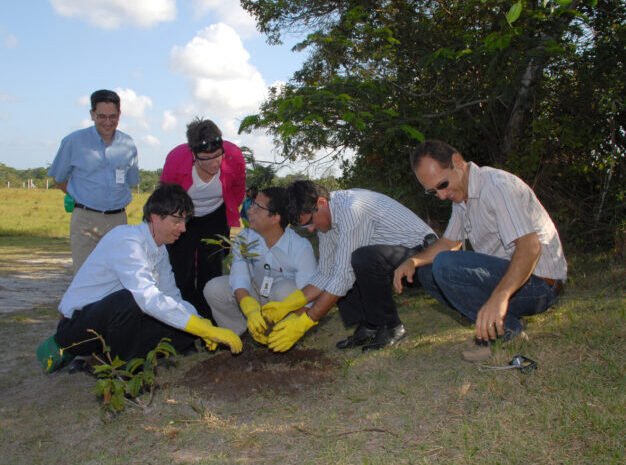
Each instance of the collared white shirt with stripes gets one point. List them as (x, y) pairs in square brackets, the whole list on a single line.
[(500, 209), (361, 217)]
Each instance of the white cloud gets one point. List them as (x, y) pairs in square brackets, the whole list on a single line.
[(111, 14), (169, 120), (133, 105), (223, 82), (229, 12), (10, 41), (151, 140)]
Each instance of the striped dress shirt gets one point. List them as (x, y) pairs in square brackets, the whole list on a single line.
[(500, 209), (359, 218)]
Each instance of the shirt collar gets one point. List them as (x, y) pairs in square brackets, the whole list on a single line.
[(474, 181)]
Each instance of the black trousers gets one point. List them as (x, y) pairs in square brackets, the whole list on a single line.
[(127, 330), (195, 263), (370, 301)]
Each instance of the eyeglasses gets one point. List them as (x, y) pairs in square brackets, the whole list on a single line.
[(439, 187), (254, 204), (209, 158), (310, 222), (208, 146), (101, 117), (179, 219)]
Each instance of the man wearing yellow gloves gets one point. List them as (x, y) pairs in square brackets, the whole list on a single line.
[(126, 292), (363, 237), (270, 261)]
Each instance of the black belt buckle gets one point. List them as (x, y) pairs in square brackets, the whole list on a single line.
[(524, 364)]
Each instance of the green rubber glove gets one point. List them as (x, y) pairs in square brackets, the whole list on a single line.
[(289, 331), (212, 335), (277, 310), (257, 325)]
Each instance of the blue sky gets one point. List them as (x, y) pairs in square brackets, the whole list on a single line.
[(169, 61)]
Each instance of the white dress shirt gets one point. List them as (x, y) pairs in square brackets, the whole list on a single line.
[(500, 209), (128, 258), (290, 258), (359, 218)]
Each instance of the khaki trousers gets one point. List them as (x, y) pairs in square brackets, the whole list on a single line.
[(86, 230)]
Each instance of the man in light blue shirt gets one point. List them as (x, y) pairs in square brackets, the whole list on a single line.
[(126, 292), (97, 167), (270, 261)]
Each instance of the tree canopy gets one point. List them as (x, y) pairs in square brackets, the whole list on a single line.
[(534, 87)]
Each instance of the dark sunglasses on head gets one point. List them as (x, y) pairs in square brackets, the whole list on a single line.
[(208, 146), (439, 187)]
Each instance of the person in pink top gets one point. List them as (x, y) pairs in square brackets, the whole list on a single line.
[(213, 172)]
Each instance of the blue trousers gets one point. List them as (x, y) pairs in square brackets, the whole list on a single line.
[(465, 280)]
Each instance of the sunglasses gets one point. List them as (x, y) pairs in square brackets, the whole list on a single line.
[(308, 223), (208, 146), (439, 187)]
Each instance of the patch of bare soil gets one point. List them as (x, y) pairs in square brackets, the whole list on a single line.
[(229, 377), (33, 281)]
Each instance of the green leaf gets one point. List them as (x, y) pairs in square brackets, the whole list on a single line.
[(413, 133), (564, 3), (514, 13)]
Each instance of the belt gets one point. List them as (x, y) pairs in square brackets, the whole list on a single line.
[(105, 212), (555, 284)]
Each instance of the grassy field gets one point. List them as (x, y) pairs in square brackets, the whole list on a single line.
[(418, 403)]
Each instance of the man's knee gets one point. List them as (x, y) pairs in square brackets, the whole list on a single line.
[(442, 264), (216, 288)]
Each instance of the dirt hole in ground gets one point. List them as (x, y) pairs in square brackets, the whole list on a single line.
[(229, 377)]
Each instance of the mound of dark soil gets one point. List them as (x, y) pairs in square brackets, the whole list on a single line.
[(229, 377)]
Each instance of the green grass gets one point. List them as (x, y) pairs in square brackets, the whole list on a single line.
[(415, 404), (40, 213)]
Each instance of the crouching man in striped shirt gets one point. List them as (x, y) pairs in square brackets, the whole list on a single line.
[(517, 268), (363, 237)]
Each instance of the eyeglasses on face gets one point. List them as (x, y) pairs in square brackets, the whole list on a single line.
[(102, 117), (439, 187), (310, 222), (180, 219), (254, 204), (199, 158)]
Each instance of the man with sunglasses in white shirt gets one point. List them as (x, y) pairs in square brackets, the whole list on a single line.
[(270, 261), (363, 236), (126, 292), (517, 267)]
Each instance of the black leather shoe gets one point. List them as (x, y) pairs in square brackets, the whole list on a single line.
[(386, 337), (362, 335)]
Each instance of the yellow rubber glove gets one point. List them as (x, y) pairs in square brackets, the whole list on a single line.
[(257, 325), (277, 310), (212, 335), (289, 331)]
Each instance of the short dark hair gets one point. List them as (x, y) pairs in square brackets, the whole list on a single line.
[(435, 149), (168, 199), (303, 197), (278, 203), (104, 95), (203, 135)]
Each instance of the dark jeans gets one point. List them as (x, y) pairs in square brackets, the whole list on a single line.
[(195, 263), (465, 280), (370, 300), (127, 330)]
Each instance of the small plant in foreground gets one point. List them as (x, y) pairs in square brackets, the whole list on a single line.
[(120, 383)]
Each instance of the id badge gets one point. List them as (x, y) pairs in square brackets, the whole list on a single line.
[(266, 286), (119, 176)]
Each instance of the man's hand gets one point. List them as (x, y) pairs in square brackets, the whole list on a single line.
[(277, 310), (212, 335), (257, 325), (405, 270), (490, 318), (289, 331)]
